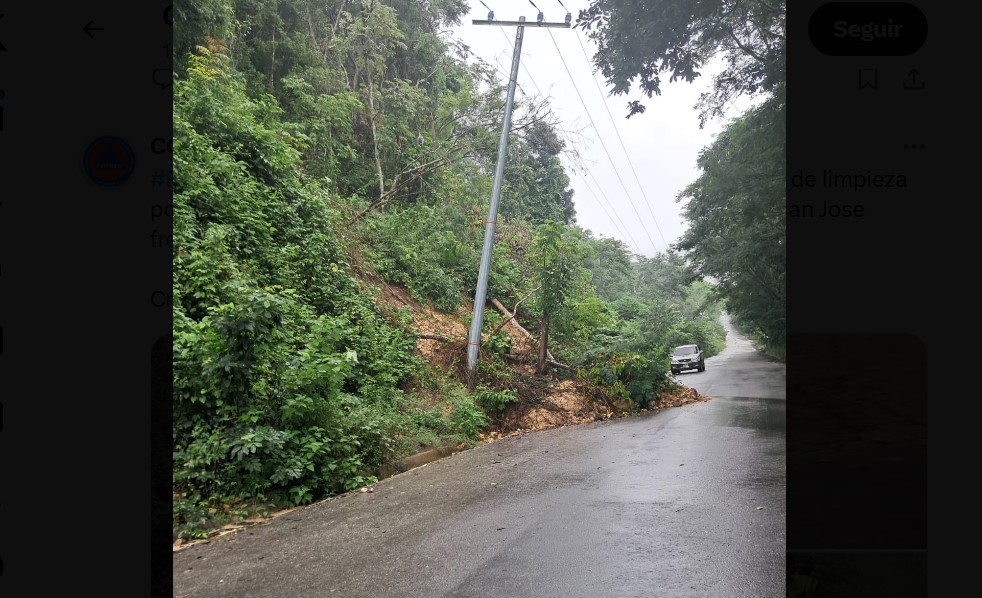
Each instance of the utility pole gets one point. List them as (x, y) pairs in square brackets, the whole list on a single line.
[(480, 296)]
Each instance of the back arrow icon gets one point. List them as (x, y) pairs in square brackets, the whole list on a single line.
[(88, 29)]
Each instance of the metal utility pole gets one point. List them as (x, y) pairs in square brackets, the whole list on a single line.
[(474, 338)]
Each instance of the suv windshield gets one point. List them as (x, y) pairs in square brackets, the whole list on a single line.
[(685, 350)]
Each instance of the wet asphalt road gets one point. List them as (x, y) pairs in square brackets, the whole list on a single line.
[(738, 371), (684, 502)]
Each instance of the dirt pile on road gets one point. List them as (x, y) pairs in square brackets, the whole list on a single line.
[(543, 401)]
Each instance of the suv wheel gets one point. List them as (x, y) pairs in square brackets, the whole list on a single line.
[(675, 372), (702, 366)]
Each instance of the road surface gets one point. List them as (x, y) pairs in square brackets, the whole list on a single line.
[(685, 502), (739, 371)]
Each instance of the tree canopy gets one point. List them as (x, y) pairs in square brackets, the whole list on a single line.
[(735, 209), (736, 212), (645, 41)]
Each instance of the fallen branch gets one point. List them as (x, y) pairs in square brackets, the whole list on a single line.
[(514, 311), (523, 356), (555, 363), (434, 337), (504, 310), (398, 183), (397, 296)]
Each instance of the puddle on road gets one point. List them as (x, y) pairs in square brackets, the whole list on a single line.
[(767, 416)]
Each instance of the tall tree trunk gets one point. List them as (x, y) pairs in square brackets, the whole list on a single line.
[(544, 346), (310, 26), (371, 120), (272, 61), (334, 28), (637, 283)]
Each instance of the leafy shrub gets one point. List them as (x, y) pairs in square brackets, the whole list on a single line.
[(466, 418), (428, 261), (494, 342), (494, 401), (630, 376), (285, 375)]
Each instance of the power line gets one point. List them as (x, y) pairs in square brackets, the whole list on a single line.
[(623, 232), (626, 192), (611, 204), (501, 70), (626, 154), (512, 46), (619, 231)]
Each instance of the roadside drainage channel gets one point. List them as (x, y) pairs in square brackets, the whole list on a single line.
[(416, 460)]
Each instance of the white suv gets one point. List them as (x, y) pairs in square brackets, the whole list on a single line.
[(688, 357)]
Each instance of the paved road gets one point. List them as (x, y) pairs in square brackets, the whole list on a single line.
[(686, 502), (739, 371)]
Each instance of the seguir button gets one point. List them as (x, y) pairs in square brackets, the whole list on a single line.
[(867, 28)]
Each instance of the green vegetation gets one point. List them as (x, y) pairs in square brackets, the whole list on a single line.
[(320, 148), (736, 207)]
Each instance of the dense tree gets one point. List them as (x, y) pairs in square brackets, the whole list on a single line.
[(609, 262), (678, 38), (736, 211), (536, 186), (194, 20), (556, 257), (736, 208)]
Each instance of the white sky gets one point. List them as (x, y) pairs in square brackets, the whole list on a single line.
[(663, 143)]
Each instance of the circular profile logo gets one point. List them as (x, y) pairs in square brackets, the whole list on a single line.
[(109, 161)]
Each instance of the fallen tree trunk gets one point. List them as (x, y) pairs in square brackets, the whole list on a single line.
[(555, 363), (435, 337), (520, 357), (511, 317), (504, 310), (397, 295), (514, 312)]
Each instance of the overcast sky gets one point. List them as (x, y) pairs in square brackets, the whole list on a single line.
[(662, 144)]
